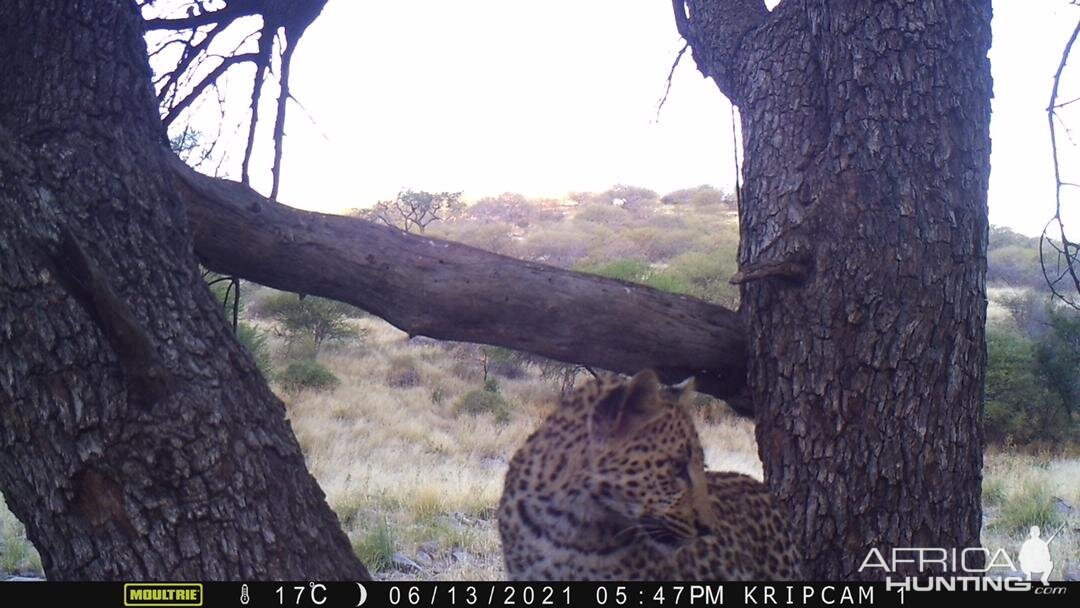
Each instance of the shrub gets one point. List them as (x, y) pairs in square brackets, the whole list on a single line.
[(702, 196), (602, 213), (558, 245), (484, 401), (308, 375), (376, 548), (1033, 505), (403, 372), (1019, 407), (255, 341), (504, 362), (1016, 265), (631, 271), (1058, 355), (706, 275), (659, 244), (307, 323), (634, 271)]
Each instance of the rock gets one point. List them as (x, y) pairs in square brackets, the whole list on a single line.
[(1063, 507), (460, 556), (403, 563)]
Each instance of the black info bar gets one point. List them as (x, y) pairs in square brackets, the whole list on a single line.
[(317, 594)]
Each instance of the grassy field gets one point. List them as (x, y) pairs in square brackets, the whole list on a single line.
[(415, 477)]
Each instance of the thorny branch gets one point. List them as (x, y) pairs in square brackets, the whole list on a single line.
[(1063, 265), (196, 32)]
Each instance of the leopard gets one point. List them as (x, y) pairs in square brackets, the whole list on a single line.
[(613, 486)]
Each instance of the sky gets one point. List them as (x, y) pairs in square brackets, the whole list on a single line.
[(545, 98)]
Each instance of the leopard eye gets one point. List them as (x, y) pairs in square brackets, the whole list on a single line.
[(683, 471)]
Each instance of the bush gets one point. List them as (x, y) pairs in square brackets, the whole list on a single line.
[(308, 375), (403, 372), (504, 362), (484, 401), (255, 341), (706, 275), (659, 244), (1032, 506), (1015, 265), (605, 214), (702, 196), (307, 323), (634, 271), (1019, 406), (376, 548), (1058, 355)]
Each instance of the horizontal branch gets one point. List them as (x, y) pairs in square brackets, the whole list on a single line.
[(430, 287)]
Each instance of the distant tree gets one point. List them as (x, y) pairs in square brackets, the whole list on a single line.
[(414, 211), (308, 323), (513, 208), (630, 197), (701, 195)]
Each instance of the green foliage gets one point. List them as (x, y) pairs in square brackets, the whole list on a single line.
[(701, 196), (17, 555), (634, 271), (257, 344), (1019, 406), (308, 374), (376, 548), (307, 323), (1058, 355), (1033, 505), (484, 401), (706, 275), (631, 271)]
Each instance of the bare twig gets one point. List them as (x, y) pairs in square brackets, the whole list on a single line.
[(1066, 256), (671, 74)]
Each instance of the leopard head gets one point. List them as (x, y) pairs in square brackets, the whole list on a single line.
[(644, 462)]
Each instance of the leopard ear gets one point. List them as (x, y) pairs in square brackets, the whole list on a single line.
[(686, 390), (628, 407)]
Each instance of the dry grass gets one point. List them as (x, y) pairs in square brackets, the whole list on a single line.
[(415, 485), (1020, 491)]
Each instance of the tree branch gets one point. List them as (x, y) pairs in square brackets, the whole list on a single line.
[(716, 32), (449, 291)]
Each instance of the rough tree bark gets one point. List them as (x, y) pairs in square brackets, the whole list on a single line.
[(137, 439), (435, 288), (863, 229)]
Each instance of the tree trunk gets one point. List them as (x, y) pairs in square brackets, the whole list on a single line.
[(863, 238), (137, 439)]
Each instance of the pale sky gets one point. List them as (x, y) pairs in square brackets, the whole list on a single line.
[(543, 98)]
